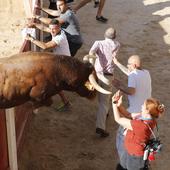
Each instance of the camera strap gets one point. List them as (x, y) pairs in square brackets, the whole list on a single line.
[(152, 130)]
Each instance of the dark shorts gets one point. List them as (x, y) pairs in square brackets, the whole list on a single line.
[(52, 6), (74, 47)]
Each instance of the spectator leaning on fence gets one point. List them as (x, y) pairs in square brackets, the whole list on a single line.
[(58, 44), (69, 23)]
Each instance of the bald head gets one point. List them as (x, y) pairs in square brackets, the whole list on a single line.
[(135, 60), (110, 33)]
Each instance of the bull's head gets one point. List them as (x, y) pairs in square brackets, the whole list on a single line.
[(92, 79), (81, 78)]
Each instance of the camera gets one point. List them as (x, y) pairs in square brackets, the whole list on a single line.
[(153, 145)]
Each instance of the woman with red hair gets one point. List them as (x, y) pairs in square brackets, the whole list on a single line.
[(139, 130)]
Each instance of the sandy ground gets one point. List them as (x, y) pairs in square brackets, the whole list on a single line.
[(67, 140)]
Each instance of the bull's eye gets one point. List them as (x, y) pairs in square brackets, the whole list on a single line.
[(89, 86)]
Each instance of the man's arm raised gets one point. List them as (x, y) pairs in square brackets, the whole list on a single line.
[(120, 66)]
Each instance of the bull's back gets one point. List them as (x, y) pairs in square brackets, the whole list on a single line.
[(19, 72), (27, 57)]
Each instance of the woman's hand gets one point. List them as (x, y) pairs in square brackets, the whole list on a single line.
[(117, 98)]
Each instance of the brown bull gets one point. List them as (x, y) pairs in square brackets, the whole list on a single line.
[(35, 76)]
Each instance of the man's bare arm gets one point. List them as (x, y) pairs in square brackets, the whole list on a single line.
[(120, 86), (47, 21), (52, 12), (120, 66), (124, 112), (43, 45), (42, 27), (44, 20), (39, 26)]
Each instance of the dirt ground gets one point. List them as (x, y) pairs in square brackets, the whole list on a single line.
[(67, 140)]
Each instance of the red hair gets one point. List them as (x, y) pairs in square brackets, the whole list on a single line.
[(154, 107)]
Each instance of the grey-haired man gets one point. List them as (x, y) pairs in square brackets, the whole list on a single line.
[(104, 50)]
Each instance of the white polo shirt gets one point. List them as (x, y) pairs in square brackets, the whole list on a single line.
[(141, 81), (62, 44)]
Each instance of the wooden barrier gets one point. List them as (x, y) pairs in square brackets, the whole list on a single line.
[(3, 142), (12, 136)]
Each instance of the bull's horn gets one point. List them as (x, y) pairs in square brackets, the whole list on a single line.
[(86, 58), (96, 86), (89, 58), (103, 79)]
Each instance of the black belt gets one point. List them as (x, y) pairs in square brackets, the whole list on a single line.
[(108, 74)]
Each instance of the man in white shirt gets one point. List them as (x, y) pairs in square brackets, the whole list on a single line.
[(59, 42), (59, 45), (139, 83)]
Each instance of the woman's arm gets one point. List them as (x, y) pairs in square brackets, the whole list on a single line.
[(116, 102)]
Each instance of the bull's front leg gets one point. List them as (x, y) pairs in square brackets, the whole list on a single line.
[(38, 91)]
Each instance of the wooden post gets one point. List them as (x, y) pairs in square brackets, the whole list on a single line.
[(11, 138)]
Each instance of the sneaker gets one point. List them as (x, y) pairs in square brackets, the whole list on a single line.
[(102, 133), (63, 107), (96, 4), (101, 19)]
